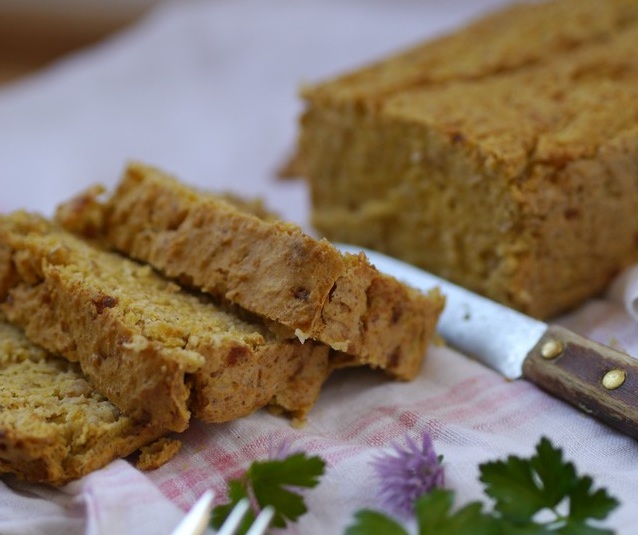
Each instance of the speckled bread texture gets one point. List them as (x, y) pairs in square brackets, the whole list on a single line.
[(503, 156), (54, 427), (270, 268), (154, 350)]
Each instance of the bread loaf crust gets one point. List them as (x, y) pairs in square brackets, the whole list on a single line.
[(501, 156)]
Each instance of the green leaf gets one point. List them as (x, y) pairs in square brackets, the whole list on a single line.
[(580, 528), (288, 505), (273, 483), (585, 503), (556, 476), (512, 485), (433, 507), (434, 516), (532, 528), (369, 522), (296, 470), (521, 488)]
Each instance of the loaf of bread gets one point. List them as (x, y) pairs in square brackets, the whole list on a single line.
[(156, 351), (502, 156), (303, 286), (54, 427)]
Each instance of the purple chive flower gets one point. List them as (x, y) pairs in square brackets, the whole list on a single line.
[(408, 473)]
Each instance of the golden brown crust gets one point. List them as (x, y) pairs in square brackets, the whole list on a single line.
[(54, 427), (515, 37), (500, 156), (269, 268)]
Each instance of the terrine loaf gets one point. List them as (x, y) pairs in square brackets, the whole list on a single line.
[(153, 349), (268, 267), (503, 156), (54, 427)]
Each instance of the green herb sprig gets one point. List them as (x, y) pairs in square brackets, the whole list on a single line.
[(539, 495), (273, 482)]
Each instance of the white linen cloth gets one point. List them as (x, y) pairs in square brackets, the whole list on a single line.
[(208, 90)]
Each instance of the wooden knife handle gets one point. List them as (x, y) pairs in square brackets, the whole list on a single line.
[(593, 377)]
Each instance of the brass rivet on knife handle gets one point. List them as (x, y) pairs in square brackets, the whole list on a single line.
[(552, 348), (613, 379), (595, 378)]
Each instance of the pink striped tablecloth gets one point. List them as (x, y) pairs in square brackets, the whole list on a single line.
[(208, 90)]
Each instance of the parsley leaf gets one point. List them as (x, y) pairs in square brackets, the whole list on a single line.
[(434, 516), (511, 483), (555, 474), (273, 482), (586, 504), (368, 522), (522, 488)]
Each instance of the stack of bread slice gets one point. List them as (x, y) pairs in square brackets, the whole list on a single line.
[(167, 303)]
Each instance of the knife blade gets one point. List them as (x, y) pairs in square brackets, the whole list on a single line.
[(592, 377)]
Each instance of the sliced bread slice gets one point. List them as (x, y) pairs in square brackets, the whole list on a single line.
[(268, 267), (54, 427)]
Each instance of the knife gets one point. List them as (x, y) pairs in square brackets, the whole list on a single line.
[(593, 377)]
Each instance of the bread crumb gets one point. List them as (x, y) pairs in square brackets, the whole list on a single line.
[(157, 453)]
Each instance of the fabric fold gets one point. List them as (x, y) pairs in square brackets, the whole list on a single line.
[(624, 290)]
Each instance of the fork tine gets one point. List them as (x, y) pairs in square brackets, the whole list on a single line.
[(234, 518), (261, 523), (197, 519), (195, 522), (258, 527)]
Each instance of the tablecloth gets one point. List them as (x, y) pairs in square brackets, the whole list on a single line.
[(208, 90)]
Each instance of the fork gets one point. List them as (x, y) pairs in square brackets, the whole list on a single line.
[(197, 519)]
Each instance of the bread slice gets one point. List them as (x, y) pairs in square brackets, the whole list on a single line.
[(154, 350), (502, 156), (270, 268), (54, 427)]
